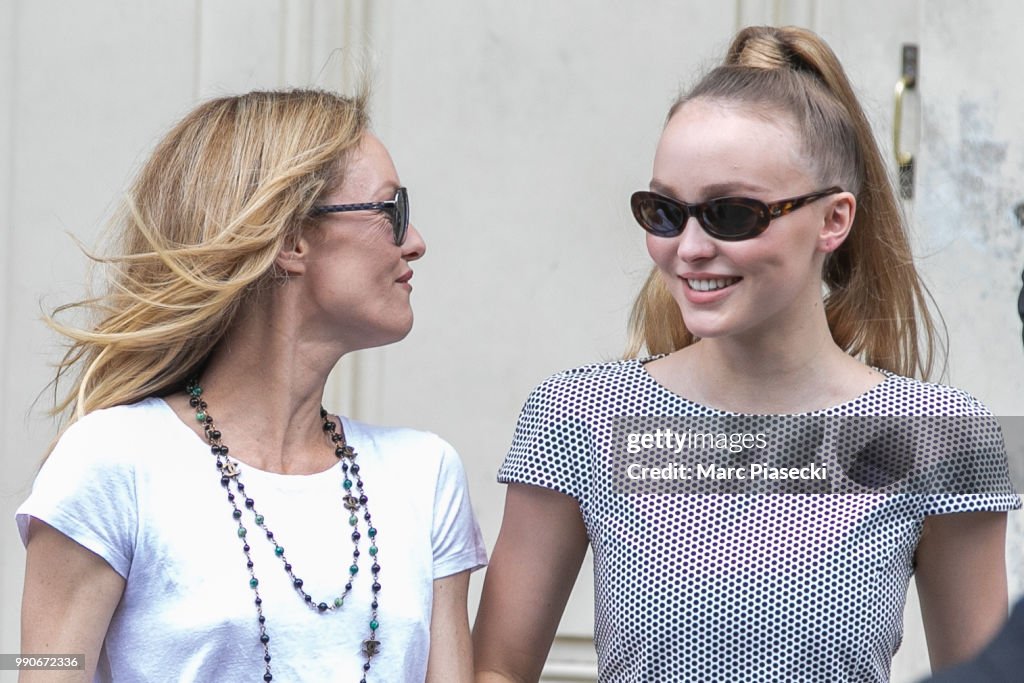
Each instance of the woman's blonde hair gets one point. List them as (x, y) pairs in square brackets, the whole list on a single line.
[(199, 231), (876, 304)]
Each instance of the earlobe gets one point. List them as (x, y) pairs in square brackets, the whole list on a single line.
[(837, 223)]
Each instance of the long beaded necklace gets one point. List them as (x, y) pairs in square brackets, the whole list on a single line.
[(230, 475)]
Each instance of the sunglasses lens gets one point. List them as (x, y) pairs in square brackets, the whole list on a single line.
[(657, 215), (734, 219), (401, 215)]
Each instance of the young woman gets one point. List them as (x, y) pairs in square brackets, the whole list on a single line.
[(783, 285), (203, 518)]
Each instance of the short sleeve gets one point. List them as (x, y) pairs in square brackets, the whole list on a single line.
[(87, 494), (457, 542), (552, 446), (966, 465)]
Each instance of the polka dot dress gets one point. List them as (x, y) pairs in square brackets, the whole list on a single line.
[(710, 574)]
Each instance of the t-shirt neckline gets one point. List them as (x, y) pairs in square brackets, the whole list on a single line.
[(638, 364), (251, 471)]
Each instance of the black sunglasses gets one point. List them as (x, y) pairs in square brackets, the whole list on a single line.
[(725, 218), (397, 210)]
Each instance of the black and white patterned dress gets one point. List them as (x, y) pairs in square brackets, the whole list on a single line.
[(708, 577)]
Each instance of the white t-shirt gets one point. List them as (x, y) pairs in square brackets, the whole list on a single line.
[(136, 486)]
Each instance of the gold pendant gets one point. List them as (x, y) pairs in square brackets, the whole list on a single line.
[(371, 647)]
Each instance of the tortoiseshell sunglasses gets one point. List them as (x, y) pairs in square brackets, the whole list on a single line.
[(726, 218)]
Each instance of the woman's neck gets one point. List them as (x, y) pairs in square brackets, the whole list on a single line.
[(264, 385), (767, 376)]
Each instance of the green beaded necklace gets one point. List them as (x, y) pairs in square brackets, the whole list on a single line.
[(230, 475)]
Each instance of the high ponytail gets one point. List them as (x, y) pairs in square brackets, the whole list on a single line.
[(876, 304)]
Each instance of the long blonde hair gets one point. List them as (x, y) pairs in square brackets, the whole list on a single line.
[(876, 304), (199, 231)]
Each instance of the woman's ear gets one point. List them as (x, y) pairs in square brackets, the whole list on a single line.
[(837, 223), (291, 260)]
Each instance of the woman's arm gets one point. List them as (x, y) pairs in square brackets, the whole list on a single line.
[(532, 571), (451, 650), (70, 594), (961, 582)]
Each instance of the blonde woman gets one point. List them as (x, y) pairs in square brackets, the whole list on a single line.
[(203, 518), (767, 189)]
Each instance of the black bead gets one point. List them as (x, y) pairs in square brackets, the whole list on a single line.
[(339, 451), (375, 568), (270, 534), (366, 667), (307, 597), (193, 402), (297, 583), (363, 499), (236, 513), (266, 658), (322, 607), (231, 497), (224, 481), (287, 566), (328, 426), (374, 604), (241, 486), (264, 639), (259, 601), (268, 677), (249, 502), (375, 587), (249, 564), (246, 547), (355, 552), (348, 586), (263, 619), (355, 468), (215, 434), (356, 536)]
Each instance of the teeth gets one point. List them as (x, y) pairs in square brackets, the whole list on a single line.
[(711, 285)]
